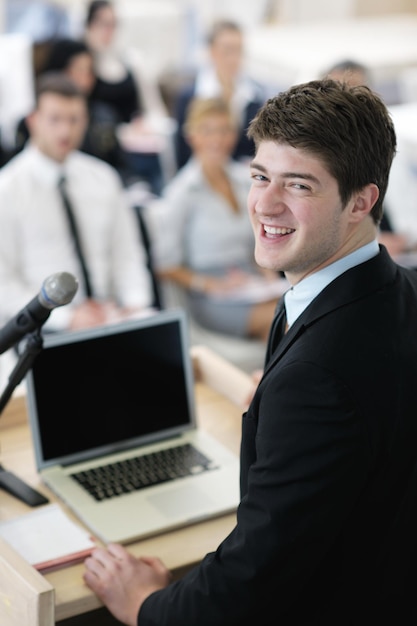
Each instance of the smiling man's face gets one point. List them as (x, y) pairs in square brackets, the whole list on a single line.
[(296, 212)]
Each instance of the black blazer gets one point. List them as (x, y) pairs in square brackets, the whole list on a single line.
[(326, 527)]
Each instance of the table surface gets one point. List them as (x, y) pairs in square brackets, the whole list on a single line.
[(179, 549)]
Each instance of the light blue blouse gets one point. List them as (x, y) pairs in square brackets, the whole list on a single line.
[(197, 227)]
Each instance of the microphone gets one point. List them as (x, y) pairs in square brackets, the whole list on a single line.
[(57, 290)]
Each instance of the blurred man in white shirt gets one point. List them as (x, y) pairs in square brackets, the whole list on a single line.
[(35, 238)]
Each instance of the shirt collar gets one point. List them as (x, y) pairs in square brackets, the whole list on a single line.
[(46, 168), (298, 297), (207, 84)]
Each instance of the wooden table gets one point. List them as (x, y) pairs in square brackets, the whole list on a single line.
[(219, 395)]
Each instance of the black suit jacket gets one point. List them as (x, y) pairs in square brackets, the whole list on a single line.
[(326, 526)]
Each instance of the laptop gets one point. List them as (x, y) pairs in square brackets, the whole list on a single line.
[(122, 397)]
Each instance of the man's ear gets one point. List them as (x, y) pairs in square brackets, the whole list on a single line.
[(30, 120), (364, 200)]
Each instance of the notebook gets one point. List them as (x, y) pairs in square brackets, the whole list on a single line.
[(118, 396)]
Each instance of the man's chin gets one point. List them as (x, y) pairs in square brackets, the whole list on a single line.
[(265, 261)]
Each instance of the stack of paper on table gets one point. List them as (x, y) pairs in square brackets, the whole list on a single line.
[(47, 538)]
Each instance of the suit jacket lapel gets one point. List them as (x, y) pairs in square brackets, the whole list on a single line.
[(354, 284)]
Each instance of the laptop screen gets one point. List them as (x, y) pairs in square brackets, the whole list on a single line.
[(111, 388)]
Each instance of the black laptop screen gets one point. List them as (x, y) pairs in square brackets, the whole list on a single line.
[(100, 390)]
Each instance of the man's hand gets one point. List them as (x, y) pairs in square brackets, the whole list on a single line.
[(96, 313), (90, 313), (122, 581)]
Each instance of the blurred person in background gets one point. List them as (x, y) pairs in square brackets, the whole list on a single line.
[(355, 73), (74, 58), (222, 75), (35, 235), (203, 239), (349, 71), (122, 82)]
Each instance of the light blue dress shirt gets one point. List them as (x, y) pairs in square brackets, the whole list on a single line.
[(298, 297)]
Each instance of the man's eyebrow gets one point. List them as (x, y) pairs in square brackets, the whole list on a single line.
[(302, 175), (257, 166)]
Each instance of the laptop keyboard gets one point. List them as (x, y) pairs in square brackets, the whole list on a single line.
[(143, 471)]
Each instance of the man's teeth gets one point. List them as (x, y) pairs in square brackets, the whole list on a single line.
[(271, 230)]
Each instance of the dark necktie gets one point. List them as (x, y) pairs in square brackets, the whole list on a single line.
[(278, 328), (75, 234)]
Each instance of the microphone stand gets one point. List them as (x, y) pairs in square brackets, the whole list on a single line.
[(9, 481)]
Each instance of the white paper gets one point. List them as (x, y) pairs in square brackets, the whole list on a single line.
[(45, 534)]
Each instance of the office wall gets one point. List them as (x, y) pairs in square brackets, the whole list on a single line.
[(305, 10), (282, 9), (171, 31), (379, 7)]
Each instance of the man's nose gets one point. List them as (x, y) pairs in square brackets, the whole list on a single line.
[(271, 200)]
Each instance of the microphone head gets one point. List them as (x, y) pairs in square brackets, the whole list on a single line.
[(58, 289)]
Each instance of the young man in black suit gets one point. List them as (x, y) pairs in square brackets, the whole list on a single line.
[(326, 527)]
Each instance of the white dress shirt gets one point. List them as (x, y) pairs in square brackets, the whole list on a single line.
[(246, 90), (35, 240)]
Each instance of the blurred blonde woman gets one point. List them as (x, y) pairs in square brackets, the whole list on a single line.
[(204, 241)]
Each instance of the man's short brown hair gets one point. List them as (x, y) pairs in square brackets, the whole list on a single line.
[(348, 128)]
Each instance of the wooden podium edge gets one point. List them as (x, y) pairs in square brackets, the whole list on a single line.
[(26, 597)]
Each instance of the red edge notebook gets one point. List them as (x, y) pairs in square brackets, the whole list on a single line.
[(64, 561)]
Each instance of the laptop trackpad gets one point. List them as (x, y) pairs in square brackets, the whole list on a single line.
[(183, 502)]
